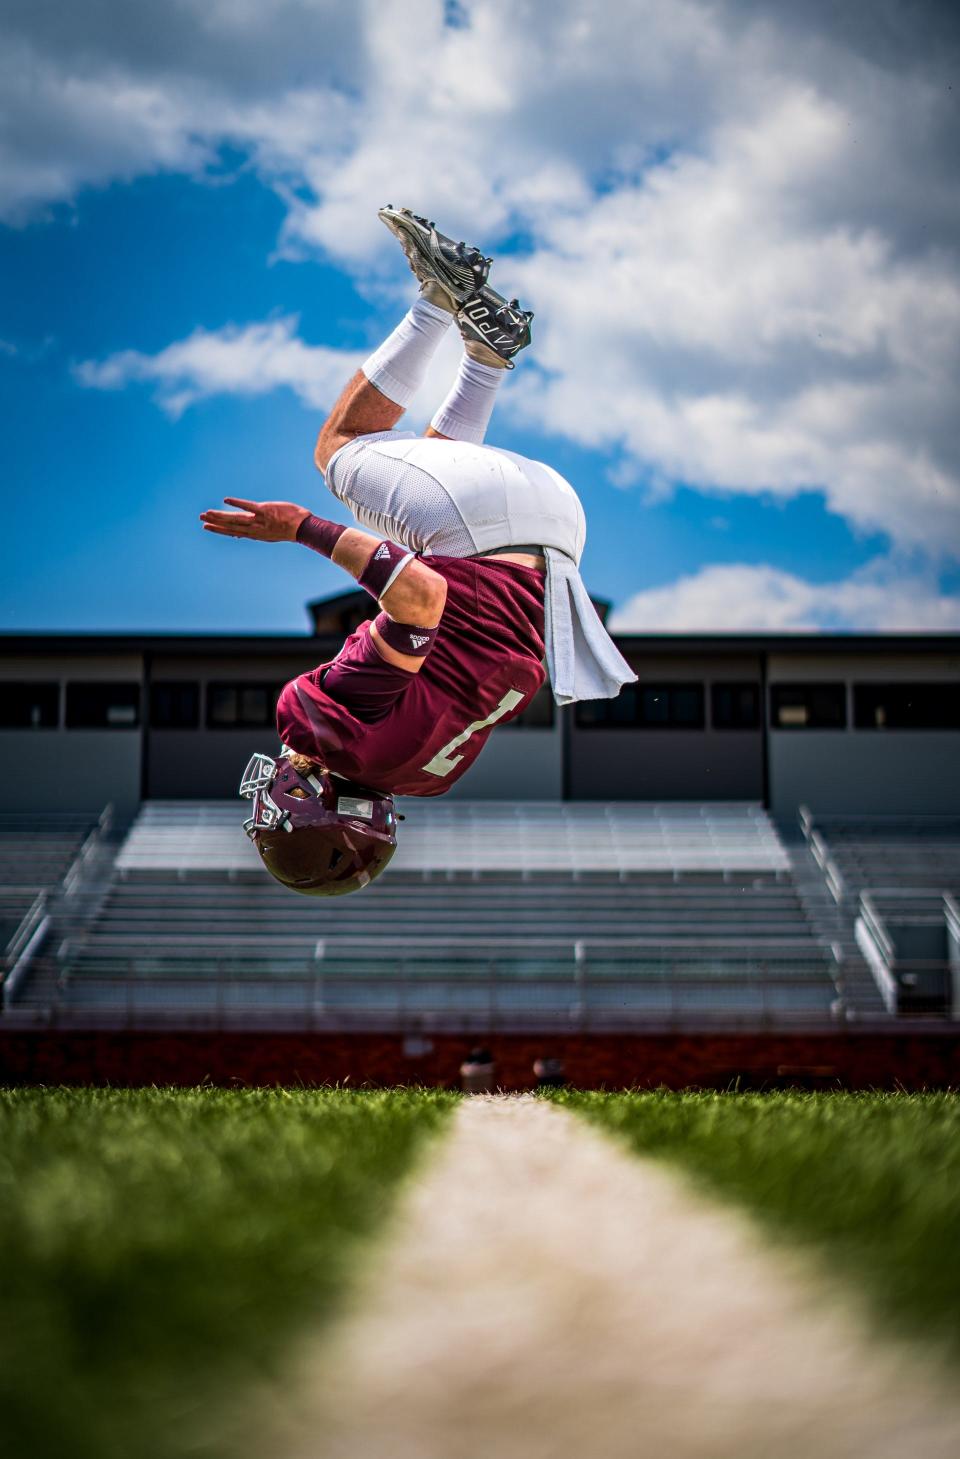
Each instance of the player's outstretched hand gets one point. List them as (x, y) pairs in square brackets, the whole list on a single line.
[(261, 521)]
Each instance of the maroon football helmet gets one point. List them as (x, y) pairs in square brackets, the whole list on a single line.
[(316, 833)]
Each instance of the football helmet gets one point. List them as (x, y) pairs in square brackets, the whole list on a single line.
[(317, 833)]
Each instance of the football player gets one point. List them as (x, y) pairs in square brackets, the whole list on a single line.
[(472, 556)]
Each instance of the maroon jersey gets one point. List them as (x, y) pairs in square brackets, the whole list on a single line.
[(416, 733)]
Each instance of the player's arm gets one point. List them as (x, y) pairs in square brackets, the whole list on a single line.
[(411, 594)]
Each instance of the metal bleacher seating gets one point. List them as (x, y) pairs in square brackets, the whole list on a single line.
[(39, 854), (871, 852), (513, 913), (899, 878)]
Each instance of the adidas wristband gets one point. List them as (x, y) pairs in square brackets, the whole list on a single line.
[(385, 564), (406, 638), (319, 534)]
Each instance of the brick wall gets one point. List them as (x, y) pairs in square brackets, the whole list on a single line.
[(846, 1059)]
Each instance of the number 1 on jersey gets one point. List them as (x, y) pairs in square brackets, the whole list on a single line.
[(445, 760)]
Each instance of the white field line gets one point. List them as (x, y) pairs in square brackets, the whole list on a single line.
[(544, 1294)]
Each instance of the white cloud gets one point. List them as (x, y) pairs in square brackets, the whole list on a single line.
[(740, 597), (239, 360), (743, 221)]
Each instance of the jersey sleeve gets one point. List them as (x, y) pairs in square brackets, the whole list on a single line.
[(362, 681)]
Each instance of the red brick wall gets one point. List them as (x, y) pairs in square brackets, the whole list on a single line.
[(850, 1060)]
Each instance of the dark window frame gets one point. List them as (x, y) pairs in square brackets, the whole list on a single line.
[(271, 687), (27, 689), (866, 704), (78, 714), (810, 689), (629, 713), (752, 721), (619, 713), (179, 718)]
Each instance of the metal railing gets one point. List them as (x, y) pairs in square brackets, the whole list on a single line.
[(905, 980), (23, 947), (412, 1005), (421, 993), (822, 855), (78, 866)]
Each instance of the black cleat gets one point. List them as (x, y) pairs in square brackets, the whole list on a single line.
[(459, 269), (489, 320)]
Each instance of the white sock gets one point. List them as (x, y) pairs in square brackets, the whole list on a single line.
[(465, 414), (399, 366)]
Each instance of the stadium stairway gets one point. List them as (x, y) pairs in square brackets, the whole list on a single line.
[(873, 853), (528, 909), (45, 858), (906, 860), (834, 924)]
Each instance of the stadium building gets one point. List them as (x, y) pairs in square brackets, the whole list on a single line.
[(746, 867)]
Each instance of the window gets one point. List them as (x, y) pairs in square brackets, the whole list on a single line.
[(734, 706), (808, 706), (609, 713), (174, 705), (29, 706), (103, 706), (676, 706), (646, 706), (538, 713), (907, 706), (242, 706)]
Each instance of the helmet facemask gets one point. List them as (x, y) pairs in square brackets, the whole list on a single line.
[(316, 833)]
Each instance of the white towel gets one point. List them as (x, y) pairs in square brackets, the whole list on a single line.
[(582, 659)]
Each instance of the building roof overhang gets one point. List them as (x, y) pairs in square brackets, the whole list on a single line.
[(237, 644)]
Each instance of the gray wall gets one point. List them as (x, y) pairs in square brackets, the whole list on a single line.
[(618, 763), (58, 769), (881, 772), (516, 764), (862, 772), (623, 764), (208, 764), (70, 770)]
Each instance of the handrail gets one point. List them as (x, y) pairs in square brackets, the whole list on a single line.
[(348, 980), (14, 977), (726, 955), (822, 855), (873, 921), (951, 911), (90, 842), (24, 931)]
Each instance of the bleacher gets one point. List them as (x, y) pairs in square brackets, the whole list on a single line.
[(899, 878), (904, 852), (526, 913), (37, 850), (38, 854)]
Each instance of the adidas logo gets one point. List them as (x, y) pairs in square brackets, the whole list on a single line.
[(419, 639), (382, 551)]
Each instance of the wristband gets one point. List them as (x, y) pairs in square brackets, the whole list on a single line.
[(319, 534), (384, 565), (406, 638)]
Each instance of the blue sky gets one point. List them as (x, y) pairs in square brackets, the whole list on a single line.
[(745, 347)]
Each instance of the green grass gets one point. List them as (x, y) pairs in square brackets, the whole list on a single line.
[(160, 1248), (872, 1181)]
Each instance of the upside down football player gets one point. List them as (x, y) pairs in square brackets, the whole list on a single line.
[(472, 557)]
